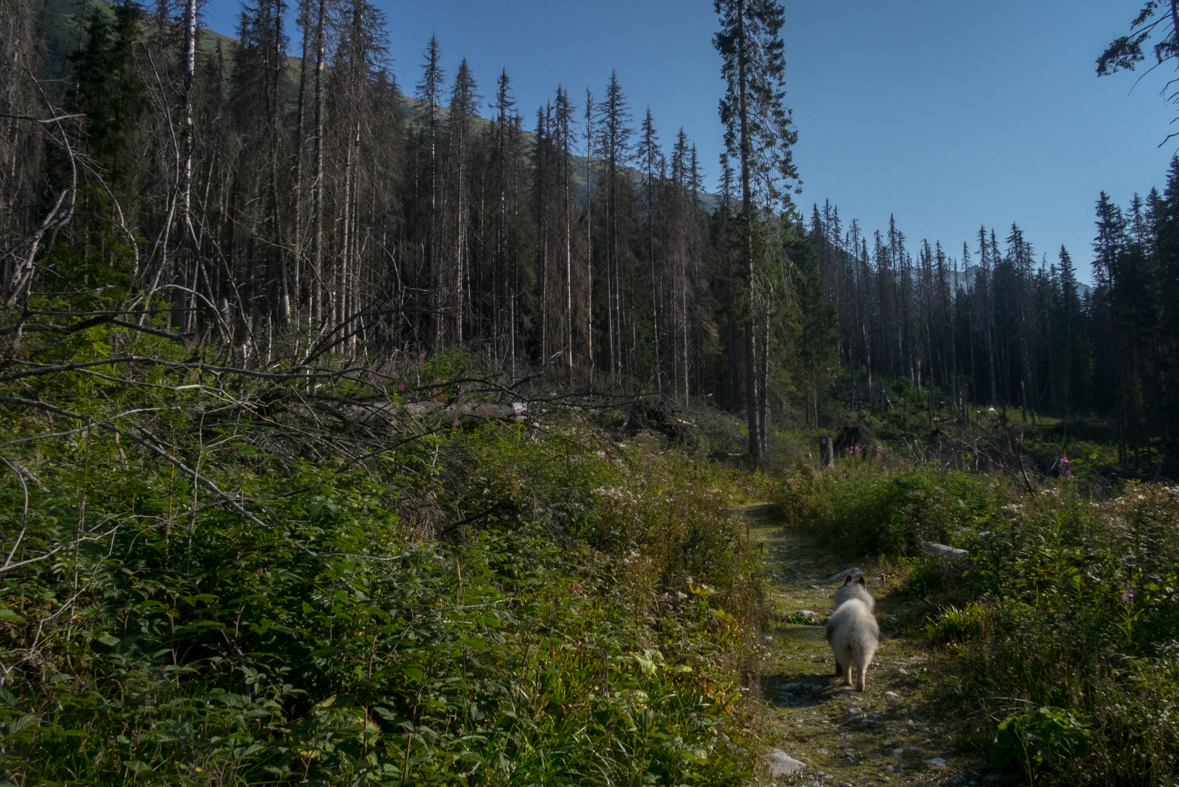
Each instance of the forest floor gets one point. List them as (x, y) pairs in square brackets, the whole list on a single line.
[(896, 732)]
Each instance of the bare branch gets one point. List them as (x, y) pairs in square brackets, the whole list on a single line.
[(24, 520), (155, 449)]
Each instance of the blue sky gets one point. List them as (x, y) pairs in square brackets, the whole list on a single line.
[(946, 114)]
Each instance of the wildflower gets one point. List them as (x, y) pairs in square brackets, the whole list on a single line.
[(421, 357), (1127, 597)]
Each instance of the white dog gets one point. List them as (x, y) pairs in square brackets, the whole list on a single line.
[(854, 635), (855, 587)]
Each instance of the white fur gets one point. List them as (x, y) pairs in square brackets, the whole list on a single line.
[(855, 588), (854, 636)]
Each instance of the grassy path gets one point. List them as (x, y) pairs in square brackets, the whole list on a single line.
[(882, 736)]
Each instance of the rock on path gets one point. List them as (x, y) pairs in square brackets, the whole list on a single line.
[(782, 764)]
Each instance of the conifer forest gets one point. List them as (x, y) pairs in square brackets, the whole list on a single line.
[(291, 207)]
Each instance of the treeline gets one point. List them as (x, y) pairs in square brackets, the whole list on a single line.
[(996, 326), (290, 208)]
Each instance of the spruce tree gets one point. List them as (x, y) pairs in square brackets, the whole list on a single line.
[(758, 134)]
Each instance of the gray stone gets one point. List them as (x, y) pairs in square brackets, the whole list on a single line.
[(936, 762), (849, 572), (782, 764), (789, 686)]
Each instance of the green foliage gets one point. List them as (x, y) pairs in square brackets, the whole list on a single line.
[(587, 628), (1047, 738), (865, 509), (955, 625), (1062, 625)]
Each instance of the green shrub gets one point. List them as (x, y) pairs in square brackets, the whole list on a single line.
[(331, 641), (1046, 738), (1062, 627), (864, 510), (956, 625)]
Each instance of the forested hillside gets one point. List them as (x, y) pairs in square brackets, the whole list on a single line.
[(288, 207)]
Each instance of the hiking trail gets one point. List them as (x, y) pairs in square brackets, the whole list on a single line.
[(896, 732)]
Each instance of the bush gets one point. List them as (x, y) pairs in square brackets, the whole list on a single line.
[(864, 510), (550, 636), (1063, 628)]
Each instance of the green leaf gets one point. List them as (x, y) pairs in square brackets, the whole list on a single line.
[(21, 723)]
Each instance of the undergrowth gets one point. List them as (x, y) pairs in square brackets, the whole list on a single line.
[(1062, 626), (426, 604)]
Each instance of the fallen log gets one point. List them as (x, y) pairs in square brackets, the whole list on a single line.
[(949, 558), (385, 413), (943, 551)]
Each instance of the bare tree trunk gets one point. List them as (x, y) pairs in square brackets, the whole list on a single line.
[(589, 235), (568, 248), (460, 251), (317, 310), (300, 130), (187, 137)]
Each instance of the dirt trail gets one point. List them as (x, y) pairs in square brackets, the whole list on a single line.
[(894, 733)]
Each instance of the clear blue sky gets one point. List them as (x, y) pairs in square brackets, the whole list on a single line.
[(947, 114)]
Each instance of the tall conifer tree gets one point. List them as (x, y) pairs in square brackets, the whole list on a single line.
[(758, 134)]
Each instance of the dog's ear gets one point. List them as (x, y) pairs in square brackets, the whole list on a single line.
[(860, 579), (847, 581)]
